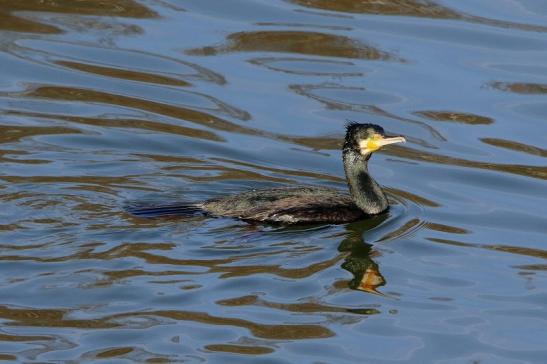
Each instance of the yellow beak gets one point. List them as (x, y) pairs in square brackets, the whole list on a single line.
[(376, 142)]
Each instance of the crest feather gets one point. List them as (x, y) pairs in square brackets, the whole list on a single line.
[(351, 124)]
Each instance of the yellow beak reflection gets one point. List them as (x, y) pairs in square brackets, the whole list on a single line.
[(377, 141), (371, 280)]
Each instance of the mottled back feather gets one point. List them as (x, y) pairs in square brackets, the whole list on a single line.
[(288, 205)]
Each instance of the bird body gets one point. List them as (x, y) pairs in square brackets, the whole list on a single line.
[(306, 204), (287, 205)]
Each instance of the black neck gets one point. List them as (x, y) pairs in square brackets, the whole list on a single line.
[(365, 191)]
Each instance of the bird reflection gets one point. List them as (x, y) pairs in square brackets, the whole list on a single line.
[(366, 273)]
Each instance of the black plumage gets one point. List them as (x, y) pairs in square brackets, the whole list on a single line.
[(306, 204)]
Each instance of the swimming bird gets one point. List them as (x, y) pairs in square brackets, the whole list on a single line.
[(305, 204)]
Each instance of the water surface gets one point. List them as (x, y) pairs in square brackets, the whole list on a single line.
[(105, 103)]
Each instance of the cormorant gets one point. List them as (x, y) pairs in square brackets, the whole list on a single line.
[(306, 204)]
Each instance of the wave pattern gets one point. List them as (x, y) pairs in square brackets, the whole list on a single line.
[(104, 103)]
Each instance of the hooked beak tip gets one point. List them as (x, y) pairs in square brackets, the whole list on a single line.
[(391, 140)]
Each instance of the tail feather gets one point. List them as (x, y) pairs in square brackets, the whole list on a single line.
[(175, 209)]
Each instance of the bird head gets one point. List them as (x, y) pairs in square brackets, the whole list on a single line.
[(366, 139)]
